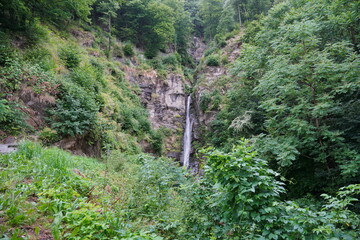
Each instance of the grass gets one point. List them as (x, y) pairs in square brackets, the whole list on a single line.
[(49, 193)]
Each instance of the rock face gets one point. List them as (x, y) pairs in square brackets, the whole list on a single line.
[(213, 78), (164, 98), (197, 49)]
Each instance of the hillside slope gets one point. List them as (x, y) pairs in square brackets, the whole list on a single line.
[(126, 103)]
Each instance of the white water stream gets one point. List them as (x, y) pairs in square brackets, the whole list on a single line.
[(187, 135)]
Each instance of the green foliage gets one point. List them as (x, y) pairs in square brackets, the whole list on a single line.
[(71, 56), (48, 136), (23, 15), (227, 22), (298, 94), (72, 117), (210, 12), (41, 57), (63, 193), (148, 23), (210, 51), (172, 60), (11, 118), (210, 100), (244, 188), (11, 76), (239, 197), (87, 77), (213, 61), (128, 50), (158, 139), (140, 197)]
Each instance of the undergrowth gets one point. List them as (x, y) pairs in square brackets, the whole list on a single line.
[(48, 192)]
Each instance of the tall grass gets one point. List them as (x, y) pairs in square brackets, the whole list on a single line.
[(49, 191)]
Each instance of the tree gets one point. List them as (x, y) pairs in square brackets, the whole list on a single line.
[(182, 25), (210, 12), (108, 9), (227, 22), (247, 10), (15, 14), (298, 85)]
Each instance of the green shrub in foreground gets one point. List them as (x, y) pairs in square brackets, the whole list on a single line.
[(11, 118), (239, 197)]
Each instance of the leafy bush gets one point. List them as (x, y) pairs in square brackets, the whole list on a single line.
[(85, 77), (17, 72), (150, 52), (48, 136), (220, 40), (72, 117), (11, 118), (117, 51), (156, 64), (213, 61), (35, 33), (41, 57), (11, 76), (157, 141), (171, 60), (225, 60), (67, 195), (210, 51), (240, 196), (70, 56), (128, 50), (6, 51), (135, 120), (205, 100)]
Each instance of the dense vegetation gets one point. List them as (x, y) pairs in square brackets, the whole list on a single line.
[(48, 192), (298, 94), (293, 93)]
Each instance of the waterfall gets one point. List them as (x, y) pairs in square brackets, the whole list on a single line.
[(187, 135)]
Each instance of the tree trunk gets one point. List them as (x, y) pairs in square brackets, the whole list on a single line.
[(239, 15), (109, 47)]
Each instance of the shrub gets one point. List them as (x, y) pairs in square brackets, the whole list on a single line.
[(41, 57), (156, 64), (210, 51), (157, 141), (150, 53), (11, 118), (212, 61), (220, 41), (75, 112), (71, 57), (85, 76), (128, 50), (35, 33), (6, 51), (205, 100), (48, 136), (11, 76), (225, 60), (16, 72), (170, 60), (117, 51)]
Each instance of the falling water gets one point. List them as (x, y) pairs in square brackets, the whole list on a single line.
[(187, 135)]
